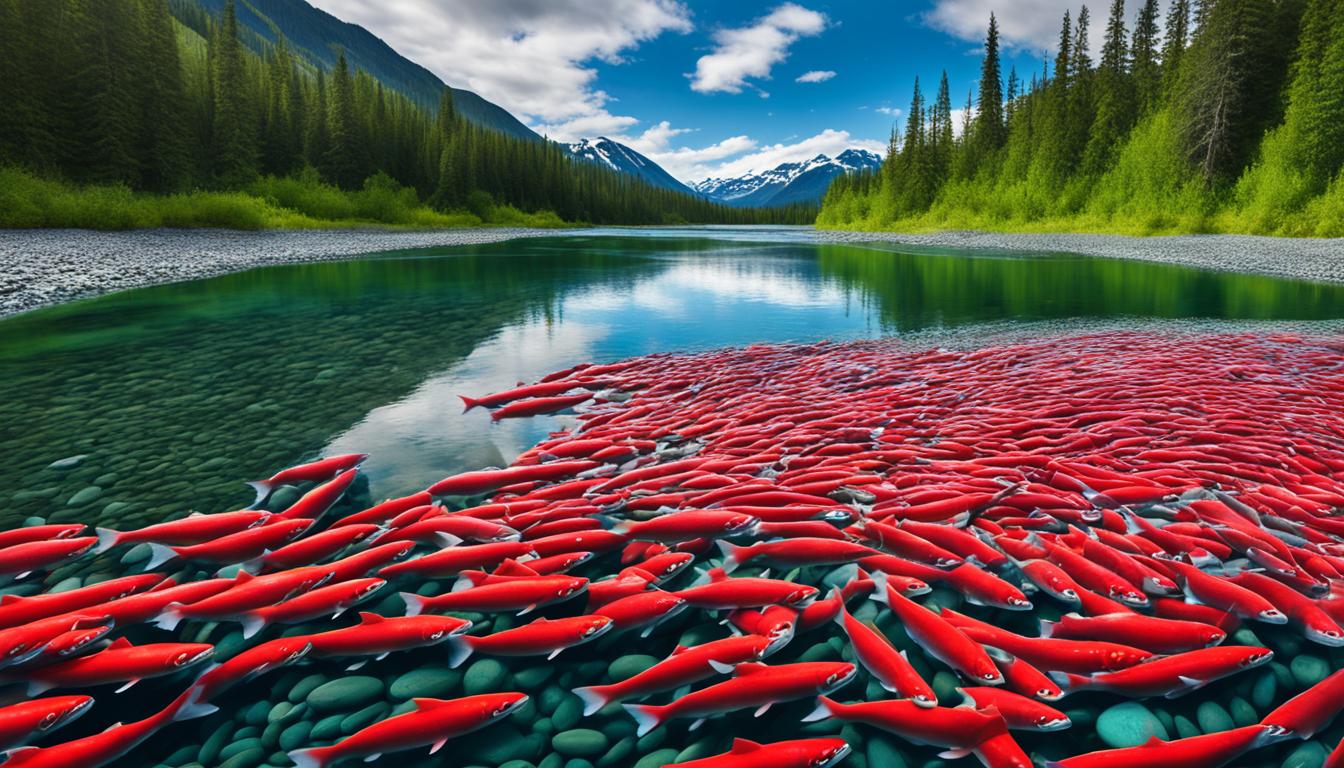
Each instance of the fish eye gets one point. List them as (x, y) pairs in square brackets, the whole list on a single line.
[(1069, 593), (1044, 693), (990, 676), (833, 679), (16, 650), (48, 720), (436, 635)]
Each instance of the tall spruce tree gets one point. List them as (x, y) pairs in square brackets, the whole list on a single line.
[(1177, 38), (165, 153), (989, 130), (233, 127), (1144, 67), (1114, 95)]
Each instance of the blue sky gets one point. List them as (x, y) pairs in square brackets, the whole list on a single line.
[(709, 87)]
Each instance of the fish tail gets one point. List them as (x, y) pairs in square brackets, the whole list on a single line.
[(252, 624), (1047, 627), (879, 593), (171, 617), (594, 697), (1069, 682), (189, 706), (825, 710), (459, 648), (647, 716), (415, 604), (263, 489), (316, 757), (732, 556), (158, 555), (107, 539), (468, 403)]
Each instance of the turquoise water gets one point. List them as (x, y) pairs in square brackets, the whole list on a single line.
[(177, 393)]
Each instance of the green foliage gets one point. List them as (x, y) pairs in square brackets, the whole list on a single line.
[(127, 99), (1222, 135)]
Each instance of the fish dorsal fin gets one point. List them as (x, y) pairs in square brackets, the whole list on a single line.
[(369, 618), (243, 577), (119, 643), (716, 575), (741, 746), (11, 600), (750, 668), (680, 649), (1153, 741), (511, 567), (636, 571), (426, 704)]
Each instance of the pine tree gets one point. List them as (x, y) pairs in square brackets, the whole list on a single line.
[(341, 162), (165, 149), (1177, 37), (1114, 95), (989, 128), (233, 129), (1144, 67)]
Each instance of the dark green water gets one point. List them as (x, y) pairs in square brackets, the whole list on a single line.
[(176, 394)]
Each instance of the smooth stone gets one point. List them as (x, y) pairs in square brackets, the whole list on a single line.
[(84, 496), (256, 714), (517, 764), (327, 728), (137, 554), (346, 693), (944, 686), (651, 741), (1308, 670), (543, 726), (618, 754), (1128, 724), (231, 645), (295, 736), (239, 745), (533, 677), (657, 759), (1262, 693), (65, 585), (425, 682), (210, 749), (1243, 714), (248, 759), (1309, 755), (34, 520), (569, 712), (484, 676), (1185, 728), (364, 717), (270, 737), (702, 748), (279, 712), (580, 742), (552, 760), (818, 652), (629, 666), (69, 462), (551, 698), (1213, 718)]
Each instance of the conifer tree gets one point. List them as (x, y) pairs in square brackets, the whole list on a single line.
[(1144, 68), (1177, 37), (1114, 95), (165, 149), (233, 128), (989, 129)]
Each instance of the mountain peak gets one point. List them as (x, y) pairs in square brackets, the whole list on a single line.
[(803, 181)]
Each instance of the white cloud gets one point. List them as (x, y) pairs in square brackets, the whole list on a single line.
[(532, 57), (752, 51), (815, 76), (893, 111), (1027, 25)]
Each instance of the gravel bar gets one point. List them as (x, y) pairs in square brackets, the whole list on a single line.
[(51, 266), (1295, 258), (45, 267)]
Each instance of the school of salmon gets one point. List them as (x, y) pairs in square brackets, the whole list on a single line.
[(1108, 509)]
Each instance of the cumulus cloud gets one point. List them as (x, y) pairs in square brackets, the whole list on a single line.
[(1031, 26), (751, 52), (532, 57), (815, 76), (893, 111)]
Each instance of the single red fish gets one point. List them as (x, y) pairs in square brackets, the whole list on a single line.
[(798, 753), (1210, 750), (937, 637), (543, 637), (120, 662), (192, 529), (16, 610), (20, 560), (27, 720), (884, 662), (331, 600)]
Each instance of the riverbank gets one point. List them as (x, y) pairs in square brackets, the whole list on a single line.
[(46, 267), (52, 266), (1294, 258)]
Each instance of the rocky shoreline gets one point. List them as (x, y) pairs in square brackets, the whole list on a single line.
[(46, 267)]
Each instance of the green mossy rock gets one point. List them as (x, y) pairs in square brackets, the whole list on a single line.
[(657, 759), (345, 694), (484, 676), (580, 742), (1213, 718), (629, 666), (425, 682), (1308, 755), (1308, 670), (1129, 724)]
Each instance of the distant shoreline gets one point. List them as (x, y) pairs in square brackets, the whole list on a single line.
[(45, 267)]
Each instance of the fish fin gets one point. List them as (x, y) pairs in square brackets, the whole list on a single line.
[(119, 643), (681, 692), (252, 624), (459, 648), (107, 539), (1047, 628), (11, 600), (356, 665), (593, 698), (721, 668), (554, 653), (447, 540), (822, 712), (437, 746), (192, 707), (314, 757), (741, 745), (127, 685), (732, 557), (365, 617), (879, 593), (954, 754), (382, 656), (462, 584), (36, 687), (967, 700), (170, 617), (718, 574), (1190, 683), (374, 756), (761, 710), (528, 609), (647, 716), (158, 555), (263, 489), (696, 724), (678, 650), (415, 604), (469, 402)]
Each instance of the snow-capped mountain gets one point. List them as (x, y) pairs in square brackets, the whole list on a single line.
[(619, 157), (803, 182)]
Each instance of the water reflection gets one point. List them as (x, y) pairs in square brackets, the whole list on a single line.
[(177, 393)]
